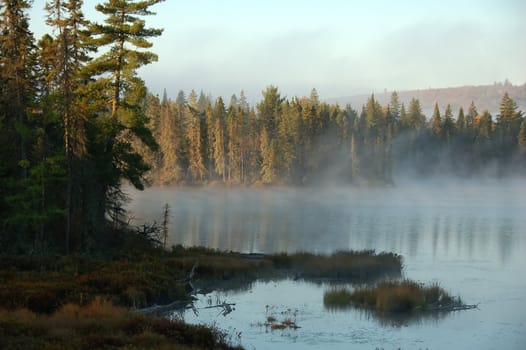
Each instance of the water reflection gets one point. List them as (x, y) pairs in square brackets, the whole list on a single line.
[(472, 241), (286, 220), (399, 320)]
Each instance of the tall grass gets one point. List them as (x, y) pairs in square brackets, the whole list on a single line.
[(393, 297), (102, 325), (147, 278)]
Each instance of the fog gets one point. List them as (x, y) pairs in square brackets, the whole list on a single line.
[(468, 235), (410, 217)]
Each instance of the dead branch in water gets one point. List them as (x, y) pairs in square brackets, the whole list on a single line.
[(226, 308), (160, 309), (452, 307)]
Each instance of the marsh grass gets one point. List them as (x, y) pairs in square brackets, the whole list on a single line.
[(149, 277), (102, 325), (393, 297), (337, 298), (343, 265)]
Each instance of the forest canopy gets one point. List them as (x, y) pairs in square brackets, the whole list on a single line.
[(77, 122)]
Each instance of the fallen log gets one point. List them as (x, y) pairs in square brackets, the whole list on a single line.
[(452, 307), (226, 308), (160, 309)]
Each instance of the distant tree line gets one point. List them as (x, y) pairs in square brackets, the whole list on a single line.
[(76, 122), (304, 141), (70, 116)]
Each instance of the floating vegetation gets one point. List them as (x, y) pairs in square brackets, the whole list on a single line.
[(285, 319)]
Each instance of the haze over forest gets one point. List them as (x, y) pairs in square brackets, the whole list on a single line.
[(485, 97), (78, 120)]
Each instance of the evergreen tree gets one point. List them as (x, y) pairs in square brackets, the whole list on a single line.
[(521, 139), (69, 56), (193, 100), (122, 119), (472, 114), (17, 64), (394, 106), (436, 122), (269, 110), (17, 131), (181, 98), (415, 116), (449, 125), (268, 158), (196, 147), (461, 120), (170, 140), (219, 139)]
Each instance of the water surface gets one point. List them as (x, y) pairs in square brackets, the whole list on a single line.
[(470, 237)]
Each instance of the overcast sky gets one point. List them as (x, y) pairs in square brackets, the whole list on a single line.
[(339, 47)]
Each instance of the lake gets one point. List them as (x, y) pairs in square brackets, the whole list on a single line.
[(468, 236)]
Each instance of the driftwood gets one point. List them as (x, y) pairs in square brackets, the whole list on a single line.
[(160, 309), (226, 308), (451, 307), (185, 304)]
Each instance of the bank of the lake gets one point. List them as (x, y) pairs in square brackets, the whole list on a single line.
[(87, 302), (468, 236)]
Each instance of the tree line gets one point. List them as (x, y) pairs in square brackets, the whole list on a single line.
[(76, 122), (302, 141), (71, 110)]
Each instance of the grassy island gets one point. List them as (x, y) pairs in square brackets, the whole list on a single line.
[(395, 297)]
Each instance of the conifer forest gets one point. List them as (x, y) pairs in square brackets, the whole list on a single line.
[(77, 123)]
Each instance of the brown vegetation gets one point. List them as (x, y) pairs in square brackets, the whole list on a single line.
[(99, 325), (394, 297), (74, 302), (137, 280)]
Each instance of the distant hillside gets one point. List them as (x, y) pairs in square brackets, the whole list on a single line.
[(486, 97)]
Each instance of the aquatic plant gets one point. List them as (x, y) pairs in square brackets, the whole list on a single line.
[(395, 297)]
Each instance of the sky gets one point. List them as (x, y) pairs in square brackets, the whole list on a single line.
[(341, 48)]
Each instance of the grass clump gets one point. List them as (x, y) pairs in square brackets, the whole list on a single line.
[(337, 298), (102, 325), (344, 265), (394, 297)]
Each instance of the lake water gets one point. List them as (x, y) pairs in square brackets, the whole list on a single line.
[(469, 237)]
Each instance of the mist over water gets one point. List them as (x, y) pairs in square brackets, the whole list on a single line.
[(436, 217), (470, 236)]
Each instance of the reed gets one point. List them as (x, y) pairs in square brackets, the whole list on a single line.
[(393, 297)]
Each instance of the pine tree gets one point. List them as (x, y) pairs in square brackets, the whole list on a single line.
[(436, 122), (17, 62), (69, 56), (394, 106), (181, 98), (472, 114), (521, 139), (268, 158), (18, 94), (219, 139), (270, 109), (461, 120), (123, 27), (169, 140), (415, 116), (448, 125), (119, 95), (196, 149), (404, 122)]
